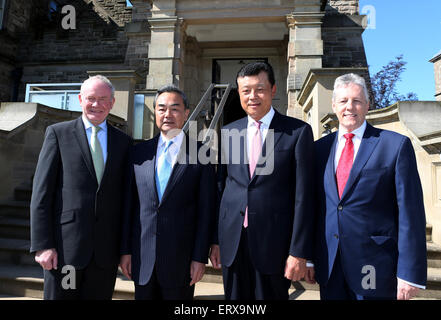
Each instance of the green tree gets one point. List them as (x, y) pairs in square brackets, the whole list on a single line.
[(384, 82)]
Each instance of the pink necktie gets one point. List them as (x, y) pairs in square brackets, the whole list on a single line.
[(256, 149), (345, 163)]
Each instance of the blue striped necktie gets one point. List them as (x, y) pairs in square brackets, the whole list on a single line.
[(163, 170)]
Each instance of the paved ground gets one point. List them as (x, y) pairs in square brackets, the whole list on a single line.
[(203, 291)]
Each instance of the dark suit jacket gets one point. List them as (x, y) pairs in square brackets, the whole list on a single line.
[(168, 235), (280, 213), (380, 219), (69, 211)]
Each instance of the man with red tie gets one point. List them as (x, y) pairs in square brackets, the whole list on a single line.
[(371, 223)]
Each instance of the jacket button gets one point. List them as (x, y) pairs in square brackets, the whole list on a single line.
[(336, 236), (340, 208)]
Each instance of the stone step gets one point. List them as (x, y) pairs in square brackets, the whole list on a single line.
[(433, 287), (428, 232), (17, 228), (15, 251), (433, 255), (27, 282), (23, 193), (17, 209)]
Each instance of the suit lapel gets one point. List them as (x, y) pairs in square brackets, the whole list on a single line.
[(149, 167), (111, 149), (80, 134), (244, 168), (367, 146), (330, 169)]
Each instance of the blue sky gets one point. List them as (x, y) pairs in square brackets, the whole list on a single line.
[(411, 28)]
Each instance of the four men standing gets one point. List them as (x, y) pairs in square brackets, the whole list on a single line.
[(363, 213)]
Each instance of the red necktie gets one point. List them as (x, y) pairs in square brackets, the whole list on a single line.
[(256, 149), (345, 163)]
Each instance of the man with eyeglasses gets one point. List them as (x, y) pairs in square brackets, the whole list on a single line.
[(77, 199)]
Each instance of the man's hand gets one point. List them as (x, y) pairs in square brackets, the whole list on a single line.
[(405, 291), (215, 256), (295, 268), (197, 270), (126, 265), (47, 258)]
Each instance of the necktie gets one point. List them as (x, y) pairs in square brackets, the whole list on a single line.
[(255, 150), (345, 163), (164, 170), (97, 153)]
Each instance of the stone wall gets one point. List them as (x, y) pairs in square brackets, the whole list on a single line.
[(112, 9), (22, 129), (138, 33), (16, 20), (342, 7), (49, 54)]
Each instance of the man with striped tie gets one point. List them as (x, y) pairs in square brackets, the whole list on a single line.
[(169, 223), (77, 199)]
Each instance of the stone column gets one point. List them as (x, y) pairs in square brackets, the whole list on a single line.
[(305, 49), (166, 53), (436, 60)]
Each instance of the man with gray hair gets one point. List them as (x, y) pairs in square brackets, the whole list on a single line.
[(371, 241), (77, 199)]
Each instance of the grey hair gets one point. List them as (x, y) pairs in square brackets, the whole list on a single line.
[(104, 80), (347, 79), (171, 88)]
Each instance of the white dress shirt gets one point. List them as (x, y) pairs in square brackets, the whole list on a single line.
[(356, 139), (102, 135), (264, 126), (173, 149)]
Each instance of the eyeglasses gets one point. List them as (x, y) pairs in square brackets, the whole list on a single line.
[(99, 100)]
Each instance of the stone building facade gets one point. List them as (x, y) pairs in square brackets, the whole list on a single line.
[(190, 43), (436, 60)]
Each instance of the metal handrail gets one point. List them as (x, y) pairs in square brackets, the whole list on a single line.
[(201, 105), (220, 109), (198, 108)]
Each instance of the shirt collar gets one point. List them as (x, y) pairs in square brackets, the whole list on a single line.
[(266, 119), (87, 124), (359, 132), (177, 140)]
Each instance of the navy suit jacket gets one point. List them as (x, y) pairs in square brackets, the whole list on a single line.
[(379, 221), (69, 210), (169, 234), (280, 213)]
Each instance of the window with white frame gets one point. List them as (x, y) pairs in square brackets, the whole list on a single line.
[(2, 12), (56, 95)]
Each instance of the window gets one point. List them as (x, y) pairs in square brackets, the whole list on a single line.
[(2, 12), (56, 95)]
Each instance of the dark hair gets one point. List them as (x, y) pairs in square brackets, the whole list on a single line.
[(171, 88), (254, 68)]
